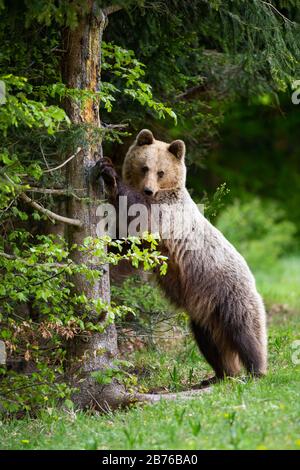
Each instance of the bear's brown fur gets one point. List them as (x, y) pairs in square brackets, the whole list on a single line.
[(211, 282)]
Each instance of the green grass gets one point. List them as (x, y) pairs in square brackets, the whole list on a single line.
[(236, 414)]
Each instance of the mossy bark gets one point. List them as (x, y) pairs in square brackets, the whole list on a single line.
[(81, 70)]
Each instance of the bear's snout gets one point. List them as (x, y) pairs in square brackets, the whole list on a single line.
[(148, 191)]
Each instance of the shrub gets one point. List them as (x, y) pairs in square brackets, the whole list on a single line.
[(259, 230), (154, 317), (40, 311)]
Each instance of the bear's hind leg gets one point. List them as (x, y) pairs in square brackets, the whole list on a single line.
[(250, 349), (209, 349), (231, 362)]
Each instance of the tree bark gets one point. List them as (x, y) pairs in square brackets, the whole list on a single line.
[(81, 70)]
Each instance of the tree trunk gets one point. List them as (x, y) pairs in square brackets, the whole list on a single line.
[(81, 70)]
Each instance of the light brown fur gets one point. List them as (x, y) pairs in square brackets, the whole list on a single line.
[(212, 282)]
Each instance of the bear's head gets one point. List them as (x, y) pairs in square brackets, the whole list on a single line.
[(152, 166)]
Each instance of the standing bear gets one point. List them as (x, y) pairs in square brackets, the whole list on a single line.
[(211, 282)]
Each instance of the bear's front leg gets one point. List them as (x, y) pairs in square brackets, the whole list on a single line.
[(104, 168), (114, 185)]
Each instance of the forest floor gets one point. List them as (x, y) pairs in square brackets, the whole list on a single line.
[(236, 414)]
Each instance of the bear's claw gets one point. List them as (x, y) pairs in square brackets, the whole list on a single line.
[(105, 169)]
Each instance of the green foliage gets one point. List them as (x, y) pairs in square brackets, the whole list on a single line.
[(154, 316), (283, 288), (40, 310), (213, 206), (202, 55), (18, 109), (140, 296), (126, 72), (31, 392), (260, 231), (119, 372), (64, 13), (257, 155)]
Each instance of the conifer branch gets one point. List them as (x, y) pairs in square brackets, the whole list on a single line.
[(270, 5)]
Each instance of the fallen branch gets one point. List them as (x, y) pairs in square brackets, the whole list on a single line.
[(50, 214), (156, 397), (106, 401), (120, 399)]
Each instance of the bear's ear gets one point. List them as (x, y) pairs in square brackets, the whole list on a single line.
[(177, 148), (145, 137)]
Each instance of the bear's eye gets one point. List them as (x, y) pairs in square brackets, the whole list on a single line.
[(145, 169), (160, 174)]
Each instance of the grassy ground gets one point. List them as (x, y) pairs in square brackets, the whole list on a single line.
[(237, 414)]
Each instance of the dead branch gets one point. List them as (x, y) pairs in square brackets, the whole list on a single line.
[(114, 126), (121, 399), (118, 398), (6, 255), (58, 192), (43, 155), (191, 93), (65, 162), (184, 395), (271, 6), (55, 191), (49, 213), (112, 9)]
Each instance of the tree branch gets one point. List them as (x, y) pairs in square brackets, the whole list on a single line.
[(114, 126), (112, 9), (55, 191), (191, 93), (6, 255), (58, 192), (49, 213), (43, 155), (270, 5), (65, 162)]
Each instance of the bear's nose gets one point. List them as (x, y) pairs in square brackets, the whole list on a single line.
[(148, 191)]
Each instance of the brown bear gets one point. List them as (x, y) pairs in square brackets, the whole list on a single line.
[(211, 281)]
